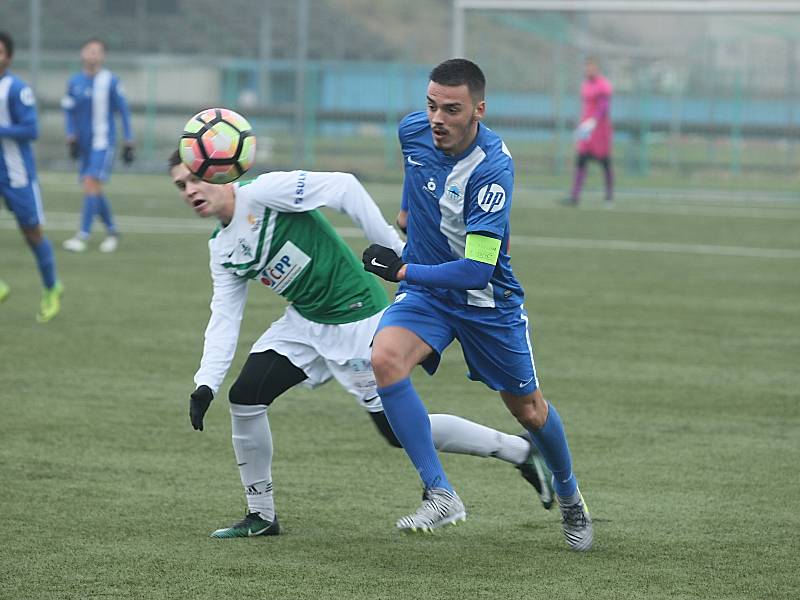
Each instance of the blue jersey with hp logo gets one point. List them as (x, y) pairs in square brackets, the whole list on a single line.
[(450, 196)]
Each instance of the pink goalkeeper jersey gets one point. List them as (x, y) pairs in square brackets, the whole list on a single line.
[(596, 101)]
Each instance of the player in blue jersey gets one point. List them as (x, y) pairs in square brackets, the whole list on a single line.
[(18, 184), (456, 283), (93, 97), (326, 331)]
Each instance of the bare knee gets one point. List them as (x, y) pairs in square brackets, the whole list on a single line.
[(395, 352), (33, 235), (530, 411), (387, 364), (92, 186)]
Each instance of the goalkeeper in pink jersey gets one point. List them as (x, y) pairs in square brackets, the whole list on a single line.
[(594, 133)]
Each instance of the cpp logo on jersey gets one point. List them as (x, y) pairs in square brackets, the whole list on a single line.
[(492, 198), (284, 268)]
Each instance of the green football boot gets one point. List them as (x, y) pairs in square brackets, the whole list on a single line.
[(252, 525), (4, 290), (50, 304), (535, 471)]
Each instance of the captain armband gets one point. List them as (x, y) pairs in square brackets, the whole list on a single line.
[(482, 248)]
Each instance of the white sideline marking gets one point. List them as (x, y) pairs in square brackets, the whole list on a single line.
[(655, 247), (165, 225)]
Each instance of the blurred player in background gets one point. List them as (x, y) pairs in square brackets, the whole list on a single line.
[(93, 97), (269, 232), (456, 283), (18, 184), (594, 134)]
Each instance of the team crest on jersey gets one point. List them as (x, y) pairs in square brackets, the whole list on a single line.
[(26, 96), (453, 192), (245, 248), (255, 222), (492, 198), (284, 268)]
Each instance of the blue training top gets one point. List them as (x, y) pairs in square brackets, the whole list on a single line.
[(89, 106), (448, 197), (18, 128)]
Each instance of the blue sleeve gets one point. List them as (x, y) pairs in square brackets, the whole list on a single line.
[(489, 201), (120, 104), (462, 274), (22, 108)]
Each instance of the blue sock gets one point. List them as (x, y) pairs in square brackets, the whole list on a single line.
[(46, 261), (412, 426), (104, 208), (552, 443), (90, 209)]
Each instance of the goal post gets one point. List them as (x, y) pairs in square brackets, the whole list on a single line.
[(698, 84), (460, 7)]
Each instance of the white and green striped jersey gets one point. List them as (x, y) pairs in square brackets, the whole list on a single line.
[(278, 239)]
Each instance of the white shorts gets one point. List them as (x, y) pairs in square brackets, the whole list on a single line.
[(324, 351)]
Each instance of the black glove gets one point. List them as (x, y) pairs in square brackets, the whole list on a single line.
[(128, 154), (74, 150), (382, 261), (198, 405)]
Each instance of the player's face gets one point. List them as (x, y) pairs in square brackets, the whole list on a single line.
[(92, 55), (205, 199), (453, 116), (590, 69), (5, 59)]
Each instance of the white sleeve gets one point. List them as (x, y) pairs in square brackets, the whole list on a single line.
[(222, 333), (348, 196), (300, 191)]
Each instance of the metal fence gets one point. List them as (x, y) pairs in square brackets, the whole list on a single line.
[(707, 93)]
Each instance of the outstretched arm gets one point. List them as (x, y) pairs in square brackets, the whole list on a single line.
[(351, 198), (222, 333), (470, 273)]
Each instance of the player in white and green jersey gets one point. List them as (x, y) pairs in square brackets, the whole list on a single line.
[(270, 232)]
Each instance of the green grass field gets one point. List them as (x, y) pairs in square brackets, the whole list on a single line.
[(667, 332)]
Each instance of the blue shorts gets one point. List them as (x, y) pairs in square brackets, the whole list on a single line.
[(495, 342), (97, 164), (25, 203)]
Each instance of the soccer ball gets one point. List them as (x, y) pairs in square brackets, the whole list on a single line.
[(218, 145)]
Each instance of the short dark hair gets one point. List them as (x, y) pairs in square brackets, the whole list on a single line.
[(94, 40), (460, 71), (174, 160), (8, 42)]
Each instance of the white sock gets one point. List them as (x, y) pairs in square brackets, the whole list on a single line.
[(252, 444), (460, 436)]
